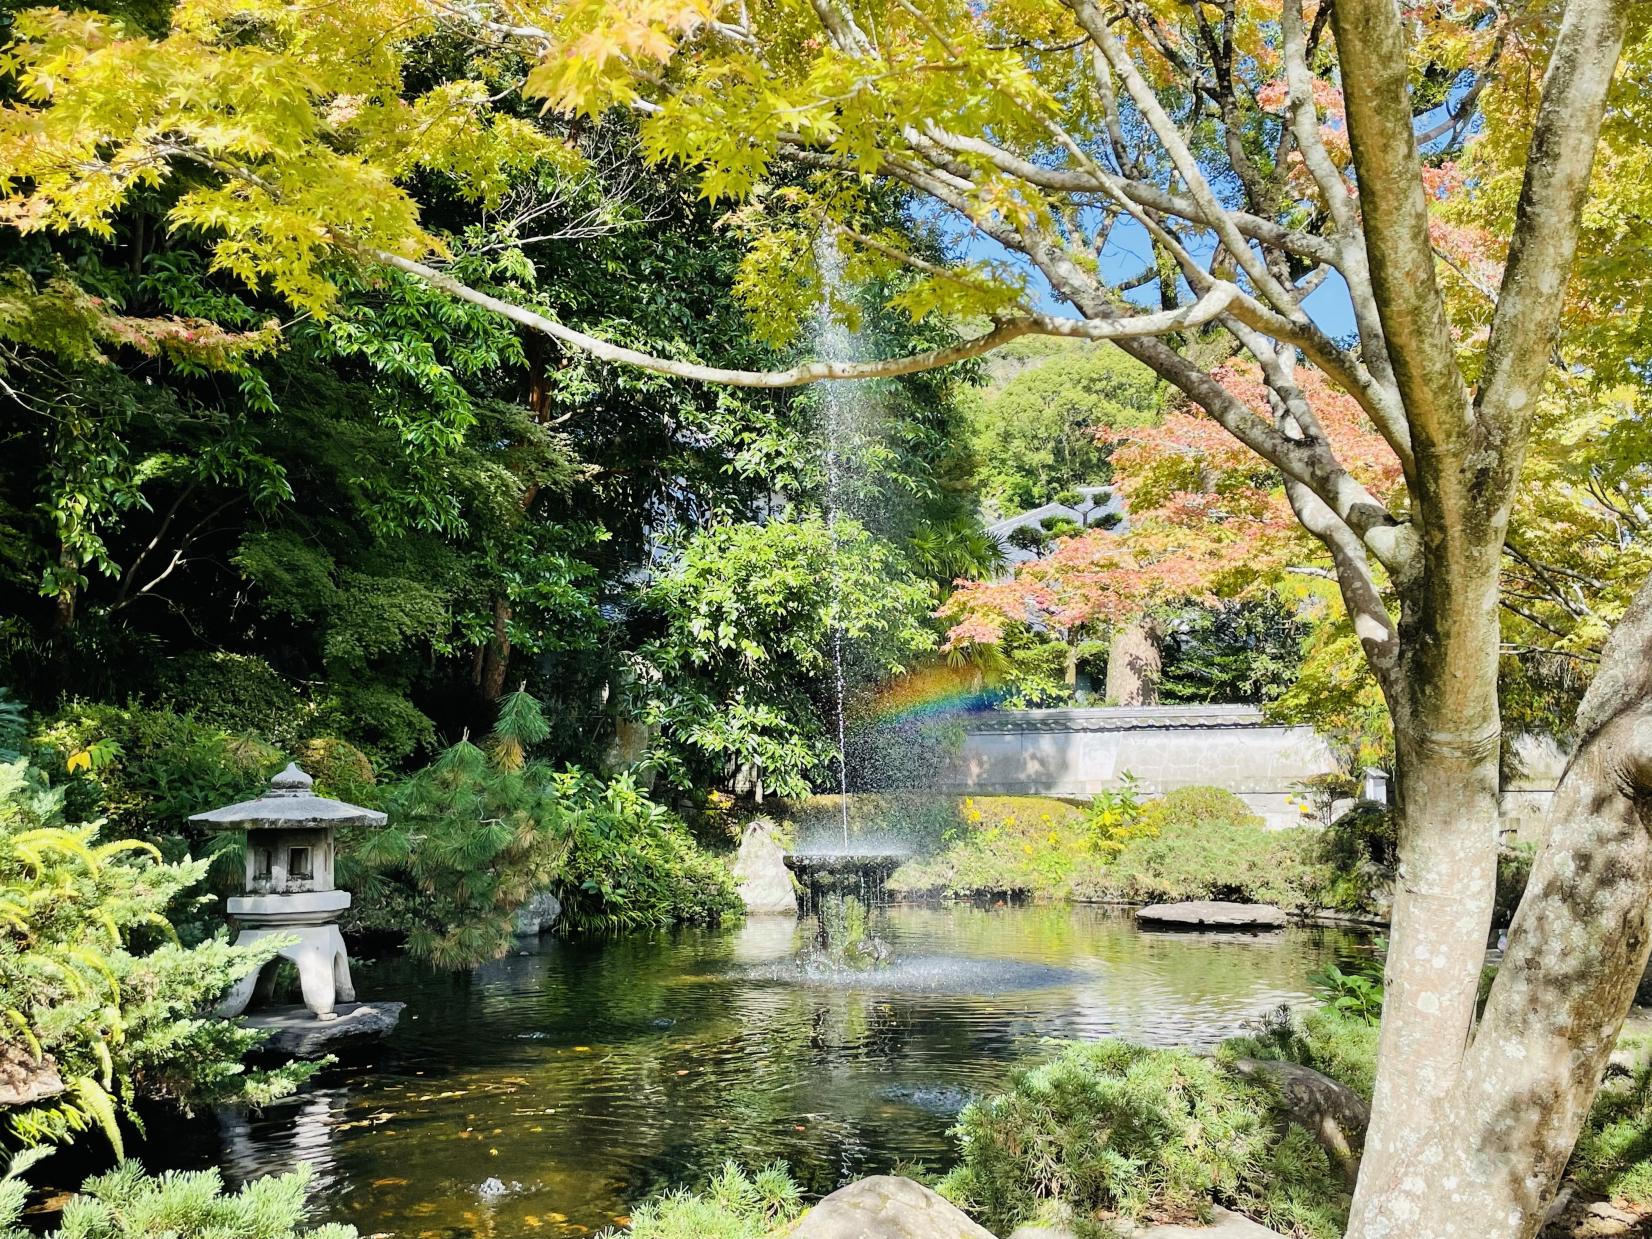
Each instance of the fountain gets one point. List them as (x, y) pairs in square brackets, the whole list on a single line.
[(845, 868), (843, 872)]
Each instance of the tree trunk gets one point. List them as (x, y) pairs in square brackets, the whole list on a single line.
[(1133, 665), (496, 655), (63, 604), (1447, 741), (1489, 1163)]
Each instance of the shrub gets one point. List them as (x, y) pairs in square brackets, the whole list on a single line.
[(1514, 870), (1112, 1129), (1114, 818), (478, 832), (1028, 845), (236, 692), (467, 844), (1614, 1153), (1213, 860), (1196, 806), (630, 863), (146, 771), (732, 1205), (126, 1203)]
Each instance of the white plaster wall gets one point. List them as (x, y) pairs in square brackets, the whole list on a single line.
[(1080, 752)]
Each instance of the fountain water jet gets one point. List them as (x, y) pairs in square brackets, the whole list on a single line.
[(846, 421)]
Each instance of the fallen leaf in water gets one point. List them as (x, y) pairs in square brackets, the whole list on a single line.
[(582, 1049), (493, 1152), (389, 1182)]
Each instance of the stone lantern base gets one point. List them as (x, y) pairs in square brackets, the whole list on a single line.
[(323, 964)]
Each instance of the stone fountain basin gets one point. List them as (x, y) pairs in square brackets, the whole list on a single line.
[(805, 864)]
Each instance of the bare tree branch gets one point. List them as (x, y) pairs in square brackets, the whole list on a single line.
[(1374, 60), (1115, 328), (1562, 154)]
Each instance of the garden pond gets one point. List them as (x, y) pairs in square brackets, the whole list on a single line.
[(539, 1094)]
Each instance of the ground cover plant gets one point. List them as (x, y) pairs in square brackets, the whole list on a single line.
[(125, 1203), (1114, 1130), (734, 1204)]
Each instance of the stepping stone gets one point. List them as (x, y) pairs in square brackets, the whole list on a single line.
[(1212, 914)]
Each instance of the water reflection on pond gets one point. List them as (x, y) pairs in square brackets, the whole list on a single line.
[(583, 1076)]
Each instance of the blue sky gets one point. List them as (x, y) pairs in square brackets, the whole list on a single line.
[(1126, 253)]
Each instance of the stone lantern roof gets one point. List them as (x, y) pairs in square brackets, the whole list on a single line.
[(289, 804)]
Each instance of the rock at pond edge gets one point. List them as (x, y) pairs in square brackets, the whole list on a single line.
[(539, 914), (885, 1207), (1224, 1224), (23, 1081), (297, 1033), (760, 869)]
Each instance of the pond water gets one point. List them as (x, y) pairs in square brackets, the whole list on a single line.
[(582, 1076)]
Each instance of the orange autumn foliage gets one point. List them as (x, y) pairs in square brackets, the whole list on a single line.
[(1207, 521)]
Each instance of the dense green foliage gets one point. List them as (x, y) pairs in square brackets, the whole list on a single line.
[(1111, 1129), (126, 1203), (1034, 429), (94, 983), (631, 864), (1331, 1041), (472, 837), (1614, 1154), (1248, 651), (739, 683)]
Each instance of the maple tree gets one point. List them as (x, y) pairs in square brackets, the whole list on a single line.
[(1256, 151), (1207, 524)]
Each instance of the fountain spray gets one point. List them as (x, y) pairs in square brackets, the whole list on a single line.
[(840, 401)]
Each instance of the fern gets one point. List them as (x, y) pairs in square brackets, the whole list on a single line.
[(99, 982), (14, 726)]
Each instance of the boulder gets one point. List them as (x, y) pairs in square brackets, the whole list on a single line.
[(1212, 914), (1224, 1224), (23, 1080), (760, 869), (885, 1207), (539, 914), (1328, 1110)]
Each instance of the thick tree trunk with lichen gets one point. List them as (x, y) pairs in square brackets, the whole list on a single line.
[(1447, 740), (1488, 1163)]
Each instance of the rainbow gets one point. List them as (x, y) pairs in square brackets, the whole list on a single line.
[(933, 692)]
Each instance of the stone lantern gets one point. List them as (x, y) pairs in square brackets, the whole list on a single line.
[(289, 886)]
